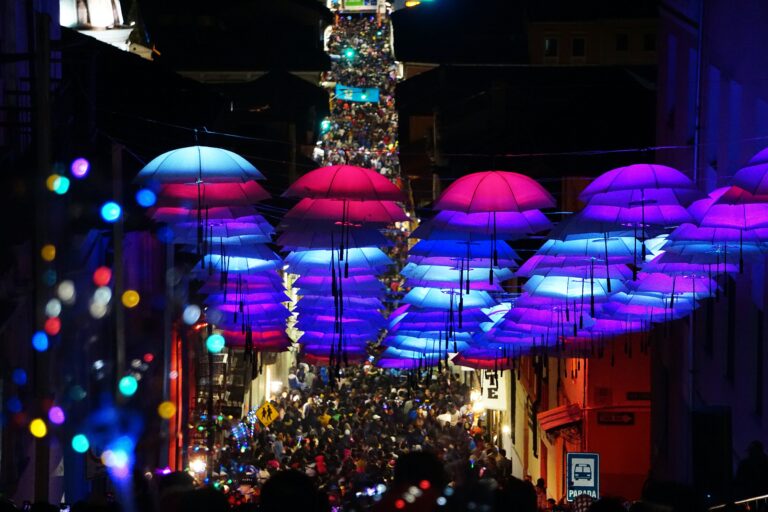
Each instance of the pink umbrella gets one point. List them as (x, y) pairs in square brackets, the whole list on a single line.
[(174, 214), (494, 191), (345, 182), (212, 194), (346, 211)]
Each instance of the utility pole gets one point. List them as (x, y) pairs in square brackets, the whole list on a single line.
[(40, 79), (118, 272)]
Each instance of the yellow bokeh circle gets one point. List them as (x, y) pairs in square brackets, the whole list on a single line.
[(38, 428), (50, 182), (131, 298), (166, 410), (48, 252)]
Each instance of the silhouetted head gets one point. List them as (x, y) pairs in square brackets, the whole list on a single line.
[(204, 500), (414, 467), (290, 490)]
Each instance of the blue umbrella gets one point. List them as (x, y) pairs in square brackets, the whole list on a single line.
[(198, 164)]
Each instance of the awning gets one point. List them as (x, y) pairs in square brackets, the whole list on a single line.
[(559, 417)]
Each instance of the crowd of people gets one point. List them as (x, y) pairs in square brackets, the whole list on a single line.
[(372, 440), (362, 133)]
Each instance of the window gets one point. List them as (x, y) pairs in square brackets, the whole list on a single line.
[(550, 47), (649, 42), (578, 47), (622, 42)]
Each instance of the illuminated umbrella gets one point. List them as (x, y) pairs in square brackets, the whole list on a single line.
[(366, 284), (237, 263), (324, 301), (494, 191), (724, 209), (475, 251), (450, 274), (754, 176), (178, 214), (198, 164), (445, 299), (291, 240), (642, 178), (509, 225), (231, 194), (364, 258), (345, 212), (345, 182)]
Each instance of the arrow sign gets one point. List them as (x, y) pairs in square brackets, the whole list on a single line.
[(615, 418)]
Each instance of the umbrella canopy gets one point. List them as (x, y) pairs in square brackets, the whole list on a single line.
[(452, 274), (509, 225), (639, 177), (263, 341), (471, 251), (327, 239), (231, 194), (345, 182), (651, 214), (237, 263), (198, 164), (575, 266), (174, 214), (754, 176), (366, 284), (369, 259), (648, 196), (494, 191), (617, 249), (331, 210), (572, 287), (710, 212), (700, 286), (445, 299)]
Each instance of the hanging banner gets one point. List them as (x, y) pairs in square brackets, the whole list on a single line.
[(359, 94), (494, 390)]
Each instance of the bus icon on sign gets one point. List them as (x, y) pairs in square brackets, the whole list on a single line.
[(582, 472)]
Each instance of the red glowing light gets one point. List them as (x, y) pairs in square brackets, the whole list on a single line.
[(102, 276), (400, 504), (52, 326), (148, 358), (424, 485)]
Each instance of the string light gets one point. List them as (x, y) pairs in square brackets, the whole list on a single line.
[(166, 410), (215, 343), (102, 276)]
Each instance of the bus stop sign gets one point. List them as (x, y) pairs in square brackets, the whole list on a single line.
[(583, 475)]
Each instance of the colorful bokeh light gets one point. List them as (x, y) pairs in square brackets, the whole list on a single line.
[(38, 428), (215, 343), (110, 211), (131, 298), (40, 341), (102, 276), (128, 385), (80, 167), (48, 252), (80, 443)]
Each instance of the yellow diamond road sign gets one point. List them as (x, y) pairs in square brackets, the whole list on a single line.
[(267, 414)]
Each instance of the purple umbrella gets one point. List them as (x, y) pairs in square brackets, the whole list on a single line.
[(754, 176)]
